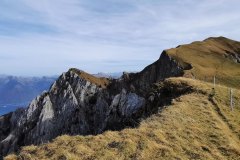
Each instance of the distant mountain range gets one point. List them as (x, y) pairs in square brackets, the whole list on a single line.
[(114, 75), (17, 92)]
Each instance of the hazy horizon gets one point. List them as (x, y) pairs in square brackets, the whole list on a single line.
[(44, 38)]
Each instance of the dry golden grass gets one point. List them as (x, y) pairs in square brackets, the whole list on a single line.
[(100, 82), (194, 126), (208, 59)]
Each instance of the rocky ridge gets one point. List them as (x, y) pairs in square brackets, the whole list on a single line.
[(79, 103)]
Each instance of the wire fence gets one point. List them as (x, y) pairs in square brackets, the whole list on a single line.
[(232, 93)]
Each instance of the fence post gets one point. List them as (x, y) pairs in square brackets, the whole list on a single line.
[(214, 81), (231, 99)]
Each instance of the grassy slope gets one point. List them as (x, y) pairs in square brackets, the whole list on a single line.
[(100, 82), (192, 127), (208, 60)]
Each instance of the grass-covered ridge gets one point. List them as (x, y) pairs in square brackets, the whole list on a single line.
[(209, 58), (197, 125), (100, 82)]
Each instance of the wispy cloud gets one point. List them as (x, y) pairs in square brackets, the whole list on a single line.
[(49, 36)]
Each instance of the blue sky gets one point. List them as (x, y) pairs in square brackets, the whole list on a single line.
[(49, 36)]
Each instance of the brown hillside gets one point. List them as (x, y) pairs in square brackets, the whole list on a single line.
[(218, 57)]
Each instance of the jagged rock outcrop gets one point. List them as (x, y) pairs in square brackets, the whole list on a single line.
[(78, 103), (73, 105), (163, 68)]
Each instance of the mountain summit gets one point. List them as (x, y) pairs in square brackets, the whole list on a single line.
[(215, 56), (78, 103)]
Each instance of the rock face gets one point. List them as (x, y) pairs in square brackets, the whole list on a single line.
[(140, 82), (163, 68), (78, 103)]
